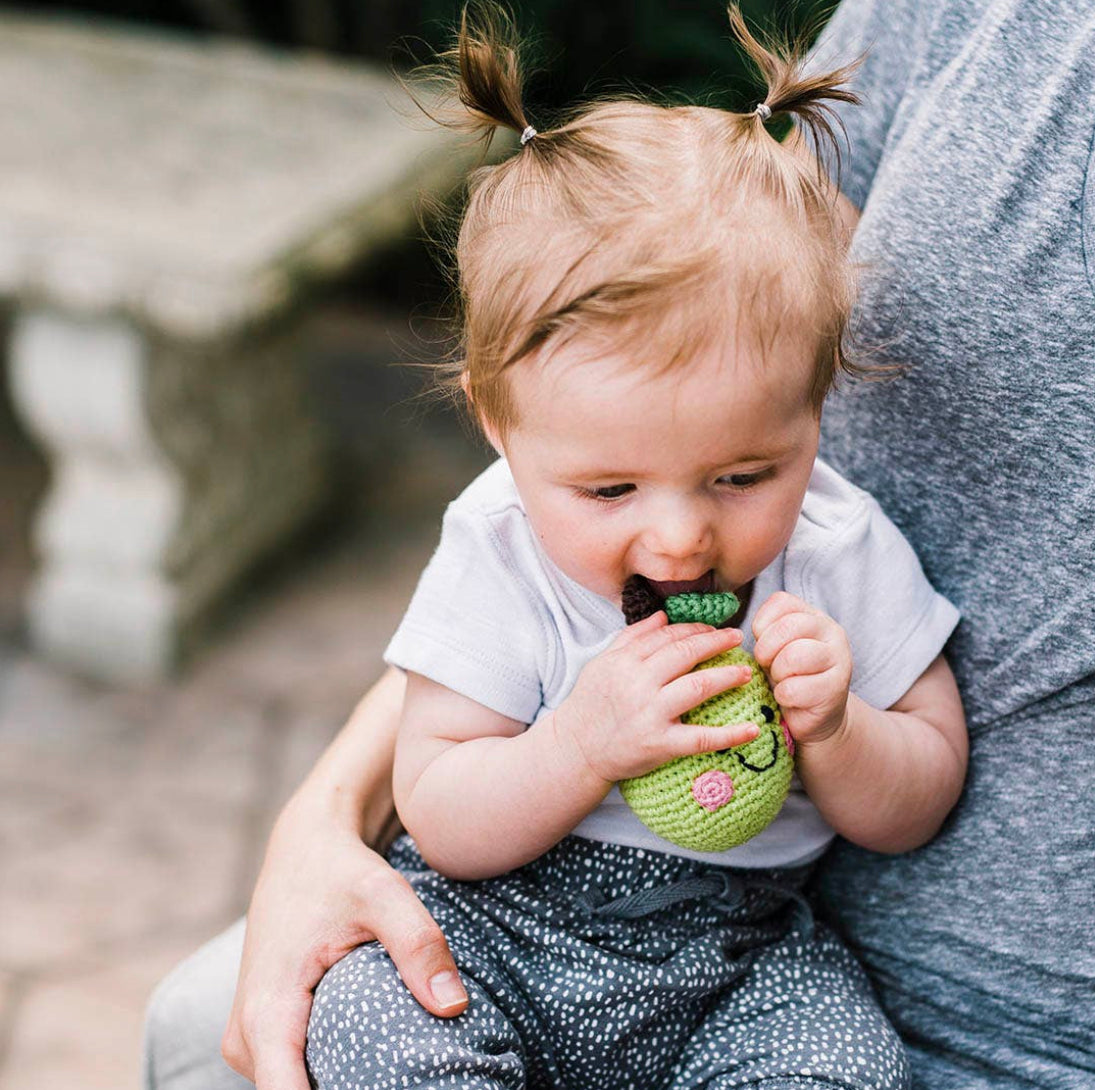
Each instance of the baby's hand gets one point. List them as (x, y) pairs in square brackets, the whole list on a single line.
[(809, 663), (622, 717)]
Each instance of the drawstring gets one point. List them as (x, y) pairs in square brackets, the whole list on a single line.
[(804, 914), (647, 901), (727, 890)]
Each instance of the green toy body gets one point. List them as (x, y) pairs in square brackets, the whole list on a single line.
[(714, 801)]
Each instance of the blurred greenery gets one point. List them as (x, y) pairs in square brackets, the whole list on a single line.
[(680, 49)]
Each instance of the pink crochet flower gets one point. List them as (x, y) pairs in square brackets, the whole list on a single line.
[(712, 789), (787, 737)]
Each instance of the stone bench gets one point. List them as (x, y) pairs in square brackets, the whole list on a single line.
[(165, 206)]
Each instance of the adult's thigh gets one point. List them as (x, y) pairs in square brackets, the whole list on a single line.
[(804, 1016), (186, 1017)]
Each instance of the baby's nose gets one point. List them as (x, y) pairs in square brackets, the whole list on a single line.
[(679, 532)]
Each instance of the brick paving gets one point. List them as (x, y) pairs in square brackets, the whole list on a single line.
[(132, 822)]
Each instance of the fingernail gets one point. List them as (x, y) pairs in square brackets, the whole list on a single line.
[(447, 989)]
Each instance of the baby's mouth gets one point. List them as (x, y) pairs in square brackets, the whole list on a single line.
[(641, 596), (705, 584)]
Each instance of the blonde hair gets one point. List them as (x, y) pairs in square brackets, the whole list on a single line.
[(639, 224)]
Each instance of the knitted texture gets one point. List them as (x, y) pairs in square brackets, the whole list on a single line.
[(713, 609), (710, 802)]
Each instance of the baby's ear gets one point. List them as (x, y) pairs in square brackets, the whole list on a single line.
[(488, 429)]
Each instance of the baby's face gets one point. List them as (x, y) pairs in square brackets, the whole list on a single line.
[(692, 479)]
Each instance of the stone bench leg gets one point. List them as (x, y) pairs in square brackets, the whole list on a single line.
[(172, 468)]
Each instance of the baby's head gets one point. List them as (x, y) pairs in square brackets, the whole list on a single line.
[(654, 307)]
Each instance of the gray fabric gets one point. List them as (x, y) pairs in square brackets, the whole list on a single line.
[(724, 989), (972, 161), (186, 1017)]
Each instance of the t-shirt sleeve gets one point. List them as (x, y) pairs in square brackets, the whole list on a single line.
[(891, 36), (472, 625), (865, 575)]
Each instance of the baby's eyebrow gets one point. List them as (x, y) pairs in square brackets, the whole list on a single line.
[(597, 472), (617, 474)]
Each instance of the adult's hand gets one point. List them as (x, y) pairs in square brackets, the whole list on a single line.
[(321, 892)]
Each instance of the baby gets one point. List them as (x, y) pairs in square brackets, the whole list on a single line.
[(655, 302)]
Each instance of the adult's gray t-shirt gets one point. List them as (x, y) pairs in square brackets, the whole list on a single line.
[(972, 162)]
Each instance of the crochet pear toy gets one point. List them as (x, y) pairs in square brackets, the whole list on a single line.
[(713, 801)]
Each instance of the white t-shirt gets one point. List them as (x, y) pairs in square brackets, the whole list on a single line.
[(495, 620)]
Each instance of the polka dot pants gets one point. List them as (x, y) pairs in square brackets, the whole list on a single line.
[(605, 967)]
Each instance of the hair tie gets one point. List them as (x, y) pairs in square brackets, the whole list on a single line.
[(763, 111), (527, 135)]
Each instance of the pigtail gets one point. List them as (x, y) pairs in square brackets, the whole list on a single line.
[(476, 87), (791, 91), (778, 168)]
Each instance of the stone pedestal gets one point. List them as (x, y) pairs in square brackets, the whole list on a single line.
[(173, 468), (165, 207)]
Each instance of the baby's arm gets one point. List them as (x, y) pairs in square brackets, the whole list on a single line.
[(481, 794), (883, 779)]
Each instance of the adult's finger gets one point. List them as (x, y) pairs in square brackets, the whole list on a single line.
[(415, 944), (281, 1068), (265, 1036), (277, 1045), (234, 1049)]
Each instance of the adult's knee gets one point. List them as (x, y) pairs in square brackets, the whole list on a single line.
[(186, 1016)]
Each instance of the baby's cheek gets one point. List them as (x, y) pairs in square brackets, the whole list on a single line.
[(592, 563)]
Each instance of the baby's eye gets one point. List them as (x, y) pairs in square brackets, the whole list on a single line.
[(742, 480), (609, 492)]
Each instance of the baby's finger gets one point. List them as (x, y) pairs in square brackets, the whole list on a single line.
[(641, 629), (650, 643), (690, 649), (689, 739), (777, 606), (796, 625), (807, 690), (801, 656), (683, 694)]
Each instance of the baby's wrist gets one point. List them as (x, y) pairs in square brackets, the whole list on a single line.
[(833, 736), (815, 730), (569, 761)]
